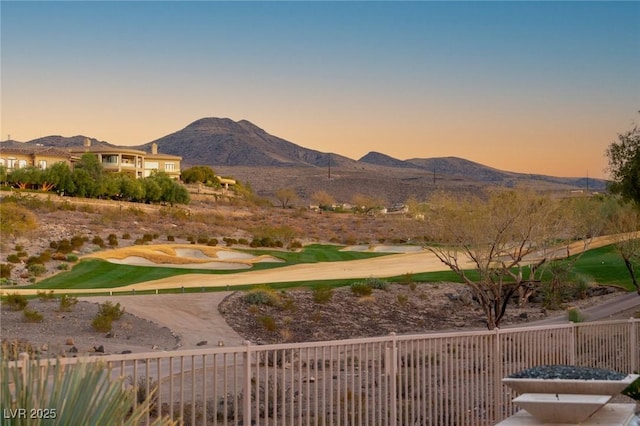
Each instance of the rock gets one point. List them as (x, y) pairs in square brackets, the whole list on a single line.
[(202, 343), (110, 335), (69, 341), (154, 347), (44, 348), (220, 343), (126, 351), (99, 349)]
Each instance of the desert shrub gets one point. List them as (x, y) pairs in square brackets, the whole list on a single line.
[(581, 286), (141, 392), (377, 284), (72, 258), (191, 238), (22, 254), (261, 295), (322, 294), (46, 296), (112, 240), (33, 260), (361, 289), (16, 302), (45, 256), (212, 242), (13, 258), (147, 237), (78, 241), (37, 269), (5, 270), (295, 245), (171, 238), (102, 323), (633, 390), (53, 245), (63, 267), (402, 299), (413, 286), (126, 236), (31, 315), (110, 310), (64, 246), (67, 303), (97, 240), (18, 247), (268, 322), (243, 241), (202, 240), (575, 315), (155, 236), (138, 242)]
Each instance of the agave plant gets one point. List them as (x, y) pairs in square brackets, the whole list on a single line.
[(76, 394)]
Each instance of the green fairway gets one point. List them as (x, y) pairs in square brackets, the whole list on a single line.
[(602, 266), (95, 273)]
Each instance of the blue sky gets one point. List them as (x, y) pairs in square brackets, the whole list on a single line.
[(523, 86)]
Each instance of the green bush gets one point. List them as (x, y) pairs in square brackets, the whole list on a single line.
[(361, 289), (46, 295), (243, 241), (377, 283), (13, 258), (322, 294), (171, 238), (67, 303), (633, 390), (126, 236), (16, 302), (102, 323), (262, 295), (212, 242), (203, 240), (72, 258), (110, 310), (31, 315), (63, 266), (36, 269), (268, 322), (5, 270), (45, 256), (64, 246), (147, 237), (575, 315)]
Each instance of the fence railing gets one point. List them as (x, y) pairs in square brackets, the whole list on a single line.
[(430, 379)]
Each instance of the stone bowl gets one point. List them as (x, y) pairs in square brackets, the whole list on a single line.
[(561, 408), (570, 386)]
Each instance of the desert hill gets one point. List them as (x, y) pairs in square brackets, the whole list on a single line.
[(250, 154)]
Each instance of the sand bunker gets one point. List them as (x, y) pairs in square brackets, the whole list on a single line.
[(183, 256)]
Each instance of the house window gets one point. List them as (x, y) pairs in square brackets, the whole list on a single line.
[(22, 164), (169, 167), (42, 164), (1, 161)]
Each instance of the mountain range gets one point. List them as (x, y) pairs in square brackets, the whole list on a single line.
[(238, 147)]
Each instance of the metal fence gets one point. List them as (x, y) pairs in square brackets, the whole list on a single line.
[(430, 379)]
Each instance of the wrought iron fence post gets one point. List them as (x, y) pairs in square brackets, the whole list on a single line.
[(633, 344), (393, 377), (246, 391), (497, 376), (573, 331)]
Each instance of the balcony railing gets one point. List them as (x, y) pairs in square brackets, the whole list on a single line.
[(430, 379)]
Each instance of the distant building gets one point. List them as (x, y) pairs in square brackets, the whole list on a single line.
[(41, 157), (113, 159)]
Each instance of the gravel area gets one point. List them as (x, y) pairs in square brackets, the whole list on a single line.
[(567, 372)]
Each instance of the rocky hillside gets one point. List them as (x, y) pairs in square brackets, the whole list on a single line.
[(222, 141)]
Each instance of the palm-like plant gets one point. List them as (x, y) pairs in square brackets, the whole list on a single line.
[(76, 394)]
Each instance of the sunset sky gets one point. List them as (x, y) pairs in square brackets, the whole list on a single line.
[(535, 87)]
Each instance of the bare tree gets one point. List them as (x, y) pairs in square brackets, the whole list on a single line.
[(286, 196), (504, 237), (625, 223), (323, 199)]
